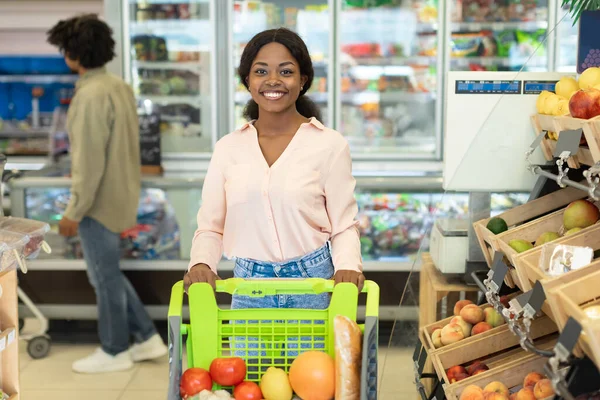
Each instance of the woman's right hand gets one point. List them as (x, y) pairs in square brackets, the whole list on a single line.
[(200, 273)]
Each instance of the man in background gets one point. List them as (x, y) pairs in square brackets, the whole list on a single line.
[(105, 168)]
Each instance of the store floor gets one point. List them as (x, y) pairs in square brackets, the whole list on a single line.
[(52, 379)]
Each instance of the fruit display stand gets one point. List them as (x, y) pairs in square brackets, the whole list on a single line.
[(9, 344), (518, 219)]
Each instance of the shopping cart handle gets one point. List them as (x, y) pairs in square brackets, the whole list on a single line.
[(272, 287)]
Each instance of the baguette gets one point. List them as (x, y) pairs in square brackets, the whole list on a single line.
[(348, 358)]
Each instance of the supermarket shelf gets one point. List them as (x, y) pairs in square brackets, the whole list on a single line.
[(181, 265), (499, 26), (193, 101), (158, 313), (39, 79), (169, 1), (499, 61), (382, 61), (20, 133), (386, 97), (7, 337), (159, 65)]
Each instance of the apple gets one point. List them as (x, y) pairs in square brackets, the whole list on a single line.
[(585, 104), (493, 317), (452, 333), (472, 392), (459, 306), (454, 372), (531, 379), (436, 338), (543, 389), (479, 369), (466, 327), (480, 328), (472, 314), (525, 394), (497, 387)]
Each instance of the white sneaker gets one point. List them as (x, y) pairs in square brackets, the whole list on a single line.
[(151, 349), (100, 362)]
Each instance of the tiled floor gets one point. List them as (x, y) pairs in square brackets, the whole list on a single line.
[(51, 378)]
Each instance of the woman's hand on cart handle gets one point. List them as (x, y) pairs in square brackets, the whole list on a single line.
[(200, 273), (350, 276)]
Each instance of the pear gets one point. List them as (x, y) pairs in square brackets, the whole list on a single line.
[(520, 245), (546, 237), (572, 231)]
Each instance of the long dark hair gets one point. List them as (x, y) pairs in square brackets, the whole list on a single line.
[(297, 47)]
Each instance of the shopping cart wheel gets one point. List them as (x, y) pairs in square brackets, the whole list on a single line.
[(38, 347)]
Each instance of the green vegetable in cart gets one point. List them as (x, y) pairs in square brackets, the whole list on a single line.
[(194, 381), (275, 385), (228, 371), (497, 225)]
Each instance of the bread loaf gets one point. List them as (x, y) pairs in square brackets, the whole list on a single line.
[(348, 358)]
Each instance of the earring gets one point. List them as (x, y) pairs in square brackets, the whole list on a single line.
[(301, 87)]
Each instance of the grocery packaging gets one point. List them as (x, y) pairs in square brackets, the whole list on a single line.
[(35, 230), (559, 259), (12, 245)]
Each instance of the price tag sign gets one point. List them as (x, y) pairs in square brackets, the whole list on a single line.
[(568, 141), (536, 299), (500, 269), (538, 140), (568, 339)]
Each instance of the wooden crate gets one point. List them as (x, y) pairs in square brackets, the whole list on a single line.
[(519, 216), (575, 296), (511, 374), (528, 267), (584, 156), (591, 130), (497, 348)]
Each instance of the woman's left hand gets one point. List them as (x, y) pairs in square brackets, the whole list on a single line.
[(350, 276)]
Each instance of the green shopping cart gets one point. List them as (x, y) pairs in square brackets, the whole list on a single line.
[(267, 337)]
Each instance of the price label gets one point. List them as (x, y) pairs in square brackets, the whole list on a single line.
[(568, 141), (568, 339), (538, 140), (500, 269)]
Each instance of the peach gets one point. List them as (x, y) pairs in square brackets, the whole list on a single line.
[(454, 372), (513, 396), (525, 394), (494, 396), (472, 392), (480, 328), (532, 378), (472, 314), (493, 317), (543, 389), (466, 327), (459, 306), (497, 387), (436, 338), (452, 333), (460, 377), (479, 369)]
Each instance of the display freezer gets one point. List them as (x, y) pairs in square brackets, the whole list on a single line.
[(395, 214)]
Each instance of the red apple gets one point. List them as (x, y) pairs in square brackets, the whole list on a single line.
[(454, 372), (585, 104)]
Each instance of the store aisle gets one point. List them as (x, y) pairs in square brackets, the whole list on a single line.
[(52, 378)]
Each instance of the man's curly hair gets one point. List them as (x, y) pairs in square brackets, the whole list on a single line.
[(86, 39)]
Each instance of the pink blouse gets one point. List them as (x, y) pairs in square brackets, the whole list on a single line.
[(286, 211)]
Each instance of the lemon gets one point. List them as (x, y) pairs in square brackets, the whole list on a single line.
[(539, 104), (589, 78), (562, 108), (566, 86), (275, 385), (550, 104)]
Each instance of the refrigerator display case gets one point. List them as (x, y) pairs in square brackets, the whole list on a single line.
[(567, 42)]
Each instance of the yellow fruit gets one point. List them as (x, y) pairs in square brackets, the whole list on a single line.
[(566, 86), (275, 385), (539, 104), (562, 108), (550, 104), (589, 78), (597, 87)]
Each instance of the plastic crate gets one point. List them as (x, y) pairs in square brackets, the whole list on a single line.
[(277, 334)]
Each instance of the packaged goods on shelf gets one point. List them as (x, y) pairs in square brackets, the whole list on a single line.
[(35, 230), (13, 246)]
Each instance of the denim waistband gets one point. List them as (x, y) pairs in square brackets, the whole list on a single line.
[(308, 260)]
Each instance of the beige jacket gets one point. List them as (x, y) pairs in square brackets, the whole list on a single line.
[(105, 151)]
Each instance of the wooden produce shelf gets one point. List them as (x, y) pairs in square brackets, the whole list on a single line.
[(517, 218), (9, 340), (574, 297)]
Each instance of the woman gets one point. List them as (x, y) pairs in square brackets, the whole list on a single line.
[(279, 193)]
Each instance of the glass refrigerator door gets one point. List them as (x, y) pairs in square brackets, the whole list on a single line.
[(309, 18), (169, 65), (498, 35), (389, 77)]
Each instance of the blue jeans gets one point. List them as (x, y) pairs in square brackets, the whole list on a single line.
[(120, 310), (317, 264)]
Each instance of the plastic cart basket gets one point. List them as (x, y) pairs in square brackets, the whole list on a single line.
[(277, 334)]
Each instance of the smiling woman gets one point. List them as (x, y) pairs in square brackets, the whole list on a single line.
[(279, 193), (282, 54)]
